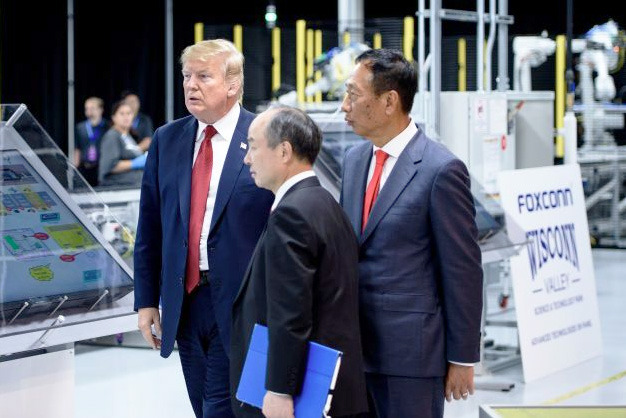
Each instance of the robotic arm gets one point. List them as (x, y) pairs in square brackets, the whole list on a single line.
[(336, 66), (530, 52), (600, 53)]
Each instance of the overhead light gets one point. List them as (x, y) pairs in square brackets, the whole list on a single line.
[(270, 16)]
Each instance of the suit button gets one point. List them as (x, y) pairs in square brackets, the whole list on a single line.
[(180, 279), (185, 244)]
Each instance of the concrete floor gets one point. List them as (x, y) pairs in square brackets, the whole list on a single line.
[(133, 382)]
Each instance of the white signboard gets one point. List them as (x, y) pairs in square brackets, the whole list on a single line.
[(553, 279)]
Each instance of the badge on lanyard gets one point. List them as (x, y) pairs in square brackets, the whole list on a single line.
[(92, 150)]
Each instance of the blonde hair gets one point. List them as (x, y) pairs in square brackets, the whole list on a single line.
[(233, 59)]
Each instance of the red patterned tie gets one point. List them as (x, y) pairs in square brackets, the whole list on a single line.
[(374, 186), (200, 181)]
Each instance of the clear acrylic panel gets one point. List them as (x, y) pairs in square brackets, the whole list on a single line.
[(493, 239), (55, 259), (337, 139)]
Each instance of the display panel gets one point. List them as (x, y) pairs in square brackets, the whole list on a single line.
[(50, 253)]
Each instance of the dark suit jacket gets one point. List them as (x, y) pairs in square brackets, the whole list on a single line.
[(240, 213), (302, 284), (420, 274), (142, 125)]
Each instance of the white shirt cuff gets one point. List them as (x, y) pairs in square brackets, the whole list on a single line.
[(279, 394), (462, 364)]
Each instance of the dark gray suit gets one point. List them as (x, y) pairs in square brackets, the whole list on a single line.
[(420, 275)]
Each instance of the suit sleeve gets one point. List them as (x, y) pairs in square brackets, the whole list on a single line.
[(147, 259), (290, 256), (459, 261), (346, 160)]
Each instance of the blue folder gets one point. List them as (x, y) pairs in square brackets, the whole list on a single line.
[(322, 367)]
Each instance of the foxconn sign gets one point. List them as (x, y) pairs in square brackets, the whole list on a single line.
[(553, 279)]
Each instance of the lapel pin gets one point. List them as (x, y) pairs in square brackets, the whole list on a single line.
[(243, 145)]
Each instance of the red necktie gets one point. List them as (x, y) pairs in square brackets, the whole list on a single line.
[(374, 186), (200, 181)]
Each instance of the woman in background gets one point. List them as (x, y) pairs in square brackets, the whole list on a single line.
[(121, 159)]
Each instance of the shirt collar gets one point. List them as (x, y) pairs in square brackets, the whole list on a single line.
[(395, 147), (225, 126), (284, 188)]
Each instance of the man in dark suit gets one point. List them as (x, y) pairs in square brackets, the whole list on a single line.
[(302, 279), (198, 226), (420, 275)]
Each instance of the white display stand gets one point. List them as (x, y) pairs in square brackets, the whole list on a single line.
[(40, 382), (38, 385), (51, 333)]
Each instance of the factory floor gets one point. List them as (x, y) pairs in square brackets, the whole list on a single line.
[(135, 382)]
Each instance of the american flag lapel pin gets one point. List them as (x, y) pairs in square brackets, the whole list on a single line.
[(243, 145)]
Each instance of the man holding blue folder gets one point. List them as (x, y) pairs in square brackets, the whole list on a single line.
[(302, 280)]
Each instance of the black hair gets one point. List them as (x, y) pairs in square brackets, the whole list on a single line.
[(296, 127), (126, 93), (391, 71)]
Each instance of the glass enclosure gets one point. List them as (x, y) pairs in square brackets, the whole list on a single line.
[(57, 267)]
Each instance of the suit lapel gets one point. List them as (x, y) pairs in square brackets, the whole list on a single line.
[(185, 159), (307, 182), (231, 170), (402, 173), (355, 208)]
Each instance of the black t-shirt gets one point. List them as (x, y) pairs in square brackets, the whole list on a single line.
[(142, 125)]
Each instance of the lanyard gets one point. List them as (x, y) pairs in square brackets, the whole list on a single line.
[(90, 131)]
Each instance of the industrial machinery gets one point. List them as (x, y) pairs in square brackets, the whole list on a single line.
[(602, 159), (601, 53), (529, 52), (336, 65)]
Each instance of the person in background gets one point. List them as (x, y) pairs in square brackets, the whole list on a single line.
[(142, 123), (88, 136), (121, 159)]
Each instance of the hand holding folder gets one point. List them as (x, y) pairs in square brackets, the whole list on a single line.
[(322, 368)]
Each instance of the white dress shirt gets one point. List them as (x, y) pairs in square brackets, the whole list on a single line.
[(394, 148), (225, 128), (284, 188)]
